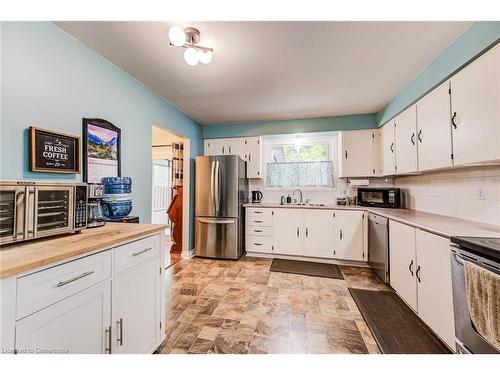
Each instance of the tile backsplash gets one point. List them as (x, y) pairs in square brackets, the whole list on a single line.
[(467, 193)]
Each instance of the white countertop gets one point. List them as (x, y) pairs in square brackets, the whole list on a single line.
[(445, 226)]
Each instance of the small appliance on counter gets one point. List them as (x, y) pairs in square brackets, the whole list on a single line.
[(34, 209), (384, 197), (117, 198), (256, 196), (95, 216), (341, 201)]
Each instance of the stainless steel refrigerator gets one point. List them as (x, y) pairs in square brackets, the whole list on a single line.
[(221, 191)]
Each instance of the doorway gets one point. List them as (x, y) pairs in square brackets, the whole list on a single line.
[(170, 171)]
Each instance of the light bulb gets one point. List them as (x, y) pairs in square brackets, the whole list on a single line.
[(191, 56), (177, 36), (205, 56)]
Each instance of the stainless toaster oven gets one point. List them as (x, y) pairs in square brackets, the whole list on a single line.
[(30, 210)]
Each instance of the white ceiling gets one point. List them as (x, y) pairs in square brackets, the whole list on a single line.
[(273, 70)]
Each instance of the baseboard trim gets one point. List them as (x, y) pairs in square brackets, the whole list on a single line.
[(187, 255), (309, 259)]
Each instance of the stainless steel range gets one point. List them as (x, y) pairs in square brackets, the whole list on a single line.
[(484, 252)]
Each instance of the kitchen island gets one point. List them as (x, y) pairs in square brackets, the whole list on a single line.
[(100, 291)]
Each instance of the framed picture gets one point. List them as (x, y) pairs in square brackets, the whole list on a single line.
[(101, 150), (53, 152)]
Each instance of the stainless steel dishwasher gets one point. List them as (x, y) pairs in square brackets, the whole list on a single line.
[(378, 245)]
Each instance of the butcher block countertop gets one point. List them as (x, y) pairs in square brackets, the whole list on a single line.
[(25, 256), (445, 226)]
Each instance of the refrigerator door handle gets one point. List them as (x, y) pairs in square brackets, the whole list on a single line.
[(217, 221), (212, 183), (217, 188)]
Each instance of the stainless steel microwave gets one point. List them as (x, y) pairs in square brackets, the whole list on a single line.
[(387, 197), (30, 210)]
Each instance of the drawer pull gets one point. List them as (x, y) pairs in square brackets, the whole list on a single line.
[(258, 212), (85, 274), (257, 231), (257, 244), (257, 221), (142, 251)]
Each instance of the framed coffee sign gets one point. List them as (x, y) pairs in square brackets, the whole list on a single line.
[(54, 152)]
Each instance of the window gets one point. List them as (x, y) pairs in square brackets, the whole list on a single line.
[(304, 164)]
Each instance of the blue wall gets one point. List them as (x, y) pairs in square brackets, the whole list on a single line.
[(476, 38), (51, 80), (319, 124)]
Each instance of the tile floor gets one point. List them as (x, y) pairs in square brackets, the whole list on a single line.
[(216, 306)]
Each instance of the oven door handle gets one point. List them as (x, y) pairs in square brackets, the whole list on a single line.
[(462, 259)]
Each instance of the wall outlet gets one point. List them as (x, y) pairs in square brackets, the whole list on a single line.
[(480, 193)]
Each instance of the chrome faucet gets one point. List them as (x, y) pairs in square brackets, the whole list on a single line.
[(300, 191)]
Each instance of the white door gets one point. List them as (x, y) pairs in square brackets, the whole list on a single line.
[(254, 157), (406, 141), (162, 177), (214, 147), (287, 231), (318, 233), (402, 263), (356, 153), (377, 152), (475, 103), (388, 149), (136, 309), (79, 324), (434, 130), (435, 300), (348, 235)]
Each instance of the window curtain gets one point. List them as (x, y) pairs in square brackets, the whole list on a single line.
[(300, 174)]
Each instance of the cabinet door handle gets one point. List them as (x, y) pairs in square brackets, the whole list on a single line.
[(453, 120), (298, 232), (410, 267), (258, 212), (392, 147), (85, 274), (412, 139), (222, 150), (229, 149), (257, 244), (346, 154), (419, 136), (249, 158), (108, 338), (142, 251), (307, 232), (119, 339), (341, 234), (418, 274)]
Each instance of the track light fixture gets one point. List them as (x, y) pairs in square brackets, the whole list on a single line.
[(189, 38)]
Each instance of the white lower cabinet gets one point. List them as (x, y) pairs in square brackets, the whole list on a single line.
[(287, 231), (136, 309), (402, 264), (420, 272), (83, 307), (435, 300), (79, 325), (349, 235), (318, 233)]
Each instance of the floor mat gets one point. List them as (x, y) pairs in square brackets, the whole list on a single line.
[(395, 327), (299, 267)]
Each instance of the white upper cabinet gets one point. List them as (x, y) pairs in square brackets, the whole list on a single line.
[(247, 148), (349, 234), (434, 130), (388, 156), (475, 107), (406, 141), (253, 152), (318, 233), (356, 150)]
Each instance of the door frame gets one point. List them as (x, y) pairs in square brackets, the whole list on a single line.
[(186, 251)]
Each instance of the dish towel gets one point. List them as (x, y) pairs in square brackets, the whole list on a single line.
[(482, 288)]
